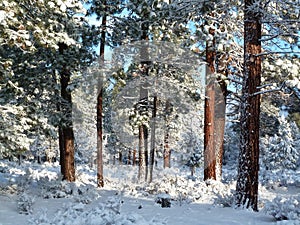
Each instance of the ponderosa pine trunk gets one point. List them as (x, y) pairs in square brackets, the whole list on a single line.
[(60, 131), (66, 128), (146, 152), (167, 151), (61, 146), (143, 131), (129, 157), (143, 134), (219, 128), (219, 125), (209, 113), (152, 139), (141, 173), (247, 181), (134, 157), (100, 178)]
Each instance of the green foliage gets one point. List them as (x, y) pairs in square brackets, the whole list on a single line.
[(281, 150), (105, 7), (30, 63), (296, 117)]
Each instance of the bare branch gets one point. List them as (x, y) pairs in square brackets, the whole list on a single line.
[(271, 37), (277, 52), (129, 97), (264, 86), (270, 90)]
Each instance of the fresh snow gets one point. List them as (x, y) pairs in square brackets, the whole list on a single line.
[(33, 194)]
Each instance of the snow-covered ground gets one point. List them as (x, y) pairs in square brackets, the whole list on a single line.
[(33, 194)]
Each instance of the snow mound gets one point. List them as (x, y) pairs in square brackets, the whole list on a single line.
[(284, 208), (78, 214)]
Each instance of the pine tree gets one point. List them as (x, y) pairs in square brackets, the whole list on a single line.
[(247, 182), (272, 39), (280, 151), (167, 151), (209, 113), (153, 139), (103, 9), (67, 150), (213, 22), (51, 42)]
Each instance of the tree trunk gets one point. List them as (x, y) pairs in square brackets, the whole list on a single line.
[(66, 129), (120, 158), (167, 163), (152, 141), (247, 181), (134, 157), (167, 152), (146, 152), (60, 131), (61, 149), (100, 178), (193, 169), (69, 154), (141, 173), (129, 157), (114, 160), (219, 126), (143, 131), (20, 159), (209, 113)]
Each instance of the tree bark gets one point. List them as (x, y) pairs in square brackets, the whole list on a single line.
[(69, 163), (141, 173), (219, 146), (66, 129), (209, 113), (100, 178), (167, 152), (129, 157), (219, 125), (146, 152), (60, 131), (143, 133), (152, 139), (134, 158), (61, 147), (247, 182), (120, 158)]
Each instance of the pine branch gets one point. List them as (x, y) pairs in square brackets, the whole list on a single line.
[(277, 52), (270, 90), (271, 37)]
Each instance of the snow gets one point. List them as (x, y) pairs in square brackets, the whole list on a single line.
[(33, 194)]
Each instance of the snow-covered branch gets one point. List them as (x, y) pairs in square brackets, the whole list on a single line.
[(269, 90), (277, 52)]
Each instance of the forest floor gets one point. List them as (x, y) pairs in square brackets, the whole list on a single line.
[(33, 194)]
